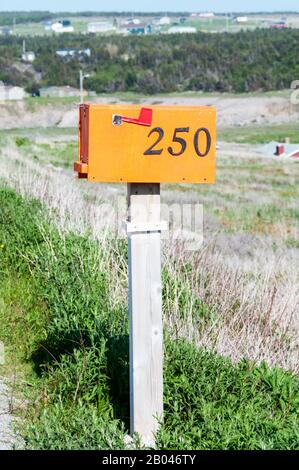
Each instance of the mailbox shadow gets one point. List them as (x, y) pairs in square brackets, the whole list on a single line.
[(118, 373), (51, 350), (117, 360)]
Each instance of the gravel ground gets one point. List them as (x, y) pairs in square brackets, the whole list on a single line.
[(8, 438)]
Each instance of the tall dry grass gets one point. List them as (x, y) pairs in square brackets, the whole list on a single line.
[(251, 298)]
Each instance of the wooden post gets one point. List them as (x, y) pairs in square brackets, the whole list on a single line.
[(145, 310)]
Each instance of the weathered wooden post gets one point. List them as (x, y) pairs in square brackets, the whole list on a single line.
[(145, 310)]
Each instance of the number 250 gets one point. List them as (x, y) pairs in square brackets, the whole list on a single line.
[(182, 142)]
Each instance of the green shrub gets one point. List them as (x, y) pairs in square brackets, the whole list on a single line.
[(213, 404), (22, 141), (60, 427)]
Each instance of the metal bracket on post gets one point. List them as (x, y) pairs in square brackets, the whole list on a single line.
[(131, 227)]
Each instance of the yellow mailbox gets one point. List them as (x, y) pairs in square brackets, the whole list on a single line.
[(154, 144)]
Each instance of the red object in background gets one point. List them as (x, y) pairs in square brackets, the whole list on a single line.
[(279, 26), (279, 150)]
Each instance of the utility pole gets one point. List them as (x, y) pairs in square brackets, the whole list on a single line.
[(81, 79)]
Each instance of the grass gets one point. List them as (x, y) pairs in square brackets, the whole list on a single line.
[(260, 134), (134, 97), (259, 219), (61, 151), (62, 154), (253, 195), (33, 133), (33, 103), (216, 24), (58, 314), (246, 270)]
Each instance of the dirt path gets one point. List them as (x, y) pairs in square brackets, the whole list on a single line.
[(8, 438)]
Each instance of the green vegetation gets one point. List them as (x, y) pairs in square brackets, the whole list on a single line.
[(61, 154), (211, 404), (253, 195), (260, 134), (246, 61), (22, 141), (48, 133), (8, 17), (56, 315), (260, 218)]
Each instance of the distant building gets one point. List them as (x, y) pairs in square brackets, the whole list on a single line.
[(135, 21), (27, 56), (47, 25), (241, 19), (100, 27), (63, 26), (137, 29), (5, 31), (182, 29), (279, 25), (207, 14), (279, 149), (73, 52), (131, 21), (60, 92), (164, 20), (8, 93)]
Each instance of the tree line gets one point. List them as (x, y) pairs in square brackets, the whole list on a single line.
[(246, 61), (18, 17)]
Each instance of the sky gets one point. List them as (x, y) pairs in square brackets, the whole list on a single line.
[(151, 5)]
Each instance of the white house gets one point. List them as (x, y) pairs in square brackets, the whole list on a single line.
[(73, 52), (182, 29), (63, 26), (5, 31), (241, 19), (100, 27), (8, 93), (164, 20), (28, 56), (207, 14), (131, 21)]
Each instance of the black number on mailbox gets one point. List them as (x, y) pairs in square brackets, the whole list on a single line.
[(151, 150), (181, 141), (196, 142)]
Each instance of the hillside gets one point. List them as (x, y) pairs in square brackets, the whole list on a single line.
[(246, 61)]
